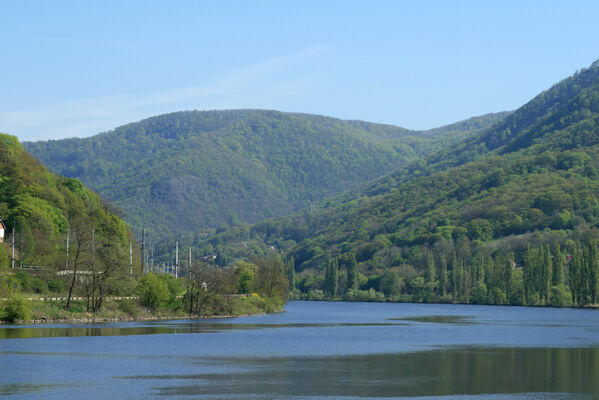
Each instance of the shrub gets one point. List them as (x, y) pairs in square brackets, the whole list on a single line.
[(56, 285), (128, 307), (16, 309), (479, 293), (30, 283), (316, 294), (561, 296), (153, 291)]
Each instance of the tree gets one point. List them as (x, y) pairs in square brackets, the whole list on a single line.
[(109, 261), (205, 286), (557, 276), (390, 284), (290, 265), (79, 238), (153, 292), (574, 274), (331, 277), (272, 278), (592, 275), (545, 269), (443, 281), (246, 276), (351, 265)]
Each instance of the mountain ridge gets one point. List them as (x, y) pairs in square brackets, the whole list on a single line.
[(226, 167), (549, 184)]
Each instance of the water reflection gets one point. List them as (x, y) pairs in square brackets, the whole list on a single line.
[(27, 332), (314, 350), (464, 371), (17, 389), (440, 319)]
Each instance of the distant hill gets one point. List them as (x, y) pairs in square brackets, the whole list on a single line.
[(530, 179), (41, 206), (186, 172)]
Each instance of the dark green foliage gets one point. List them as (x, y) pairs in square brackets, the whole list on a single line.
[(331, 278), (29, 283), (189, 171), (290, 266), (348, 261), (476, 221)]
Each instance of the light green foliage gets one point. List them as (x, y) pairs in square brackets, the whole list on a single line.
[(15, 309), (41, 206), (246, 276), (479, 294), (4, 257), (153, 291), (561, 296)]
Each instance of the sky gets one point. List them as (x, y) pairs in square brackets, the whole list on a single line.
[(78, 68)]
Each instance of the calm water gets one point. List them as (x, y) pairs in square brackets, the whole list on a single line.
[(313, 350)]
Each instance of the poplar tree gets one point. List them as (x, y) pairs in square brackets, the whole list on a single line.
[(352, 271), (574, 270), (546, 269), (331, 278), (290, 264), (443, 276), (557, 276), (530, 274), (429, 273), (593, 280)]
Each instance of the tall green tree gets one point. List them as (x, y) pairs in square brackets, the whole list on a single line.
[(331, 279), (290, 265), (351, 265), (557, 276)]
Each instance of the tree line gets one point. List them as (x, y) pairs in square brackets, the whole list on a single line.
[(553, 275)]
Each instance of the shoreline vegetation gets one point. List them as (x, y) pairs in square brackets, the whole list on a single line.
[(206, 291), (244, 305), (118, 311)]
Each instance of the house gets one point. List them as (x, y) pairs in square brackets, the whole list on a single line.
[(2, 229)]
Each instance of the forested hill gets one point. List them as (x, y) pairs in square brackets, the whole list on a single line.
[(41, 206), (538, 186), (183, 172)]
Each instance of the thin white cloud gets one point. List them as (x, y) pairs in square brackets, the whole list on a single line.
[(85, 117), (65, 40)]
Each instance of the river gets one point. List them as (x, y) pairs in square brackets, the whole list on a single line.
[(313, 350)]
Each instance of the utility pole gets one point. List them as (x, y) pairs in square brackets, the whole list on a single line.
[(176, 260), (189, 270), (22, 250), (143, 250), (130, 258), (13, 248)]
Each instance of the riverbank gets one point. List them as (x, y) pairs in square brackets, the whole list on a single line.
[(121, 310), (403, 301)]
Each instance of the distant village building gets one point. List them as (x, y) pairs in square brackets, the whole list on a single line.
[(2, 229)]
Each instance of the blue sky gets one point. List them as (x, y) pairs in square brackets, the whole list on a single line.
[(77, 68)]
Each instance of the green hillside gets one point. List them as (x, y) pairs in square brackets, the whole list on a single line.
[(475, 212), (41, 206), (185, 172)]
